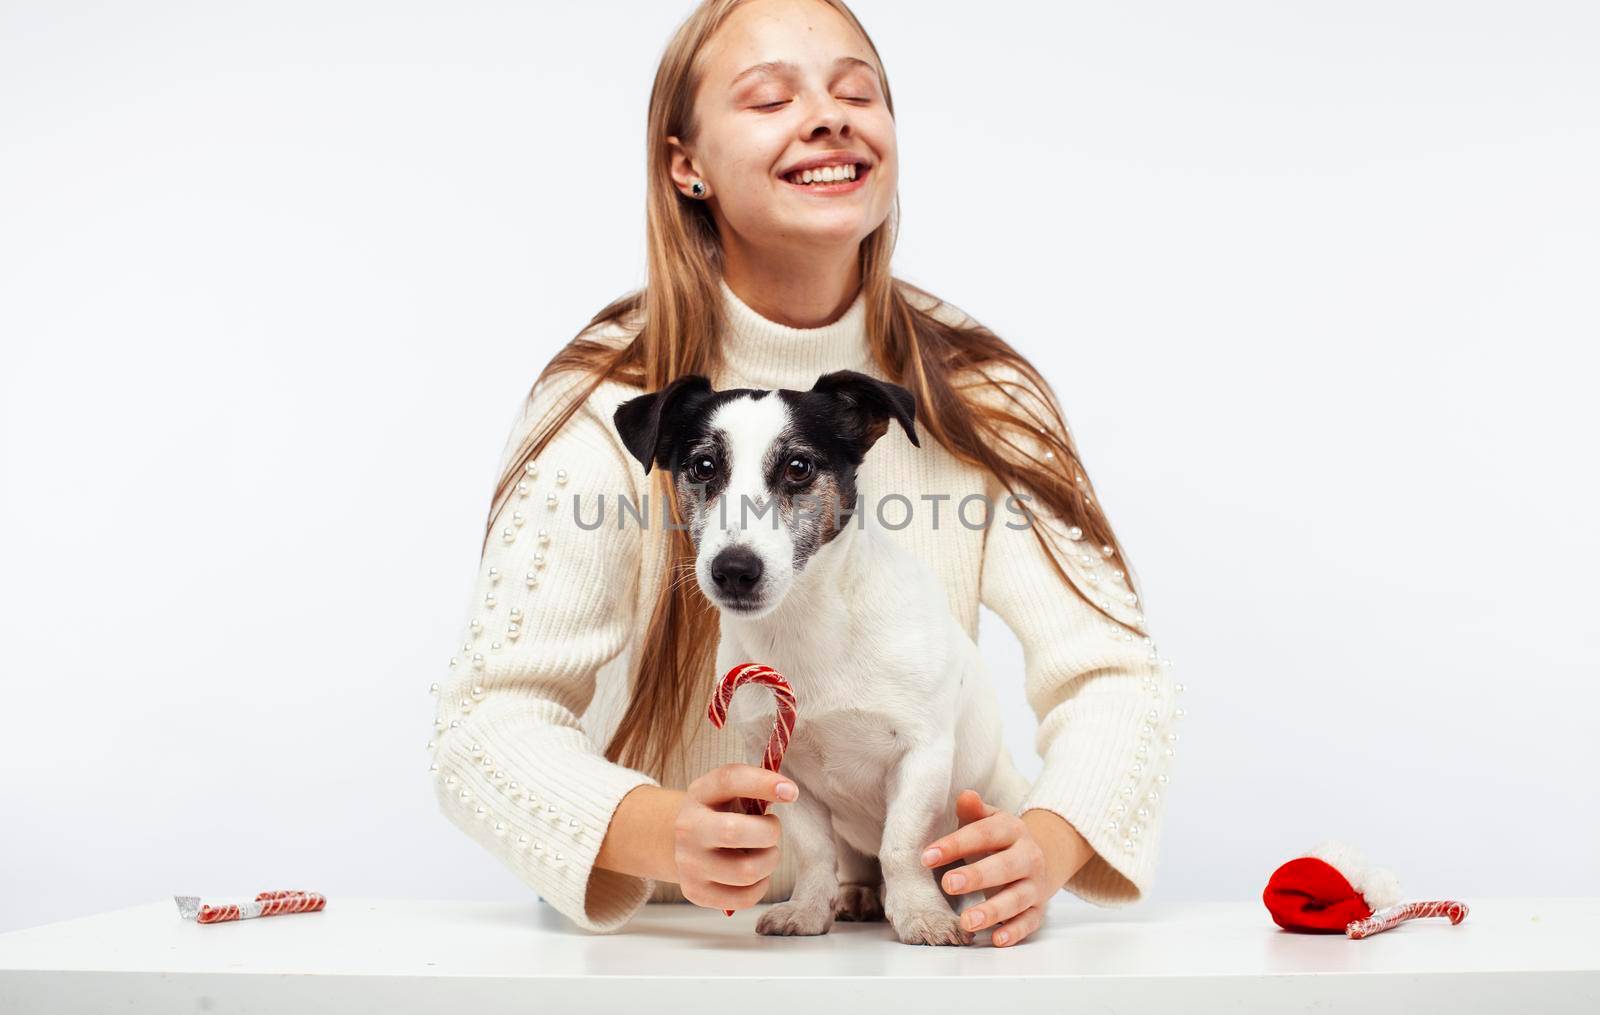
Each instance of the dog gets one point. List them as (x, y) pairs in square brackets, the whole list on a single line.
[(896, 714)]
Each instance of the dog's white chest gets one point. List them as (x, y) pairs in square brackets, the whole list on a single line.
[(847, 757)]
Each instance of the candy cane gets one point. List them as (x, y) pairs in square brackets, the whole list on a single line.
[(782, 724), (1391, 916), (190, 907)]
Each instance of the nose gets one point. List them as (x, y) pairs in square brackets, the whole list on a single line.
[(736, 569)]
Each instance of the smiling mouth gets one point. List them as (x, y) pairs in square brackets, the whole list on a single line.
[(836, 186)]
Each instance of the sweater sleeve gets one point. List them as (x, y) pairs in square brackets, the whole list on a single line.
[(1105, 702), (551, 604)]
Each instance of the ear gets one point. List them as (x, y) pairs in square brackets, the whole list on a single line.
[(871, 402), (645, 422)]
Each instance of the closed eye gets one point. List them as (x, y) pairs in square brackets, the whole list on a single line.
[(866, 100)]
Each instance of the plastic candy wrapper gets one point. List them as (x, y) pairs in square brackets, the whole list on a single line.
[(215, 910)]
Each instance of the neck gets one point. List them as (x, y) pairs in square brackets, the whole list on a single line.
[(806, 288)]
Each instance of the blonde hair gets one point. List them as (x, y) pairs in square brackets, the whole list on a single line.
[(673, 321)]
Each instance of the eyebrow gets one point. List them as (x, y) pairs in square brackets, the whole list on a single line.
[(790, 67)]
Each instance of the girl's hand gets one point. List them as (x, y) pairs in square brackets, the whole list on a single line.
[(1014, 874), (725, 859)]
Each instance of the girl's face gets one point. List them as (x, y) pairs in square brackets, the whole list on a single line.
[(786, 81)]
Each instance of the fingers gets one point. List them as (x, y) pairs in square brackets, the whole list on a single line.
[(995, 832), (727, 782), (725, 858), (713, 895), (1018, 927), (1000, 906), (740, 870), (731, 830), (1011, 864), (970, 806)]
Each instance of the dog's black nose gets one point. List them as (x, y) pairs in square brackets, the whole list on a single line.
[(736, 569)]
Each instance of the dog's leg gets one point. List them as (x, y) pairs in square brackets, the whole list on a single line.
[(809, 909), (912, 899), (860, 879)]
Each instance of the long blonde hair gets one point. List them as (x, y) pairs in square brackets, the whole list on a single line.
[(673, 321)]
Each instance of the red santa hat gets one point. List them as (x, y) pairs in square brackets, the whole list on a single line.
[(1333, 889), (1328, 889)]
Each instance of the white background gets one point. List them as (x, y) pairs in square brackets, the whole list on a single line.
[(1316, 284)]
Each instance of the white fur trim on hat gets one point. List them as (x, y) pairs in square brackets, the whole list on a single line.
[(1379, 886)]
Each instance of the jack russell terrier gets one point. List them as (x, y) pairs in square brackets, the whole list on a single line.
[(896, 713)]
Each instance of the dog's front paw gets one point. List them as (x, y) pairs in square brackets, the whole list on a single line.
[(793, 918), (933, 926), (857, 903)]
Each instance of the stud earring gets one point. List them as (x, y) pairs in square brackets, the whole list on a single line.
[(697, 188)]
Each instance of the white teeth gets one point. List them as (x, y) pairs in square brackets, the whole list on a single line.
[(827, 174)]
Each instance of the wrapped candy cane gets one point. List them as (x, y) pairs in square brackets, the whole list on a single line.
[(1391, 916), (192, 907), (782, 724)]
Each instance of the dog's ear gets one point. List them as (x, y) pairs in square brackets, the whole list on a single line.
[(645, 423), (868, 404)]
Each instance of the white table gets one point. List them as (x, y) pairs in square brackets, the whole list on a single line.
[(477, 958)]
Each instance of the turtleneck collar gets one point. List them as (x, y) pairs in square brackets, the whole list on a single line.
[(761, 353)]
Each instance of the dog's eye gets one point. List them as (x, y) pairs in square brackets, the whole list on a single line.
[(799, 470), (702, 469)]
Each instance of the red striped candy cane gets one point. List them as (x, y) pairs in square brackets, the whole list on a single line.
[(273, 903), (782, 723), (191, 907), (1392, 916)]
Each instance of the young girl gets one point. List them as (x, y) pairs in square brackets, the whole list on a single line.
[(571, 739)]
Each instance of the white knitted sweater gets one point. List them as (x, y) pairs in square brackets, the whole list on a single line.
[(540, 678)]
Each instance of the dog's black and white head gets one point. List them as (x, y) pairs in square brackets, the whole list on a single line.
[(764, 477)]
